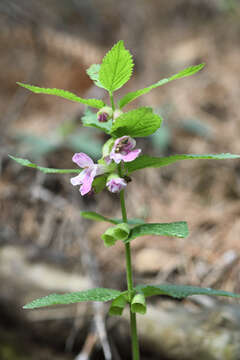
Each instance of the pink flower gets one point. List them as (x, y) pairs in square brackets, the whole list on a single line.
[(116, 184), (122, 150), (103, 117), (104, 114), (85, 178)]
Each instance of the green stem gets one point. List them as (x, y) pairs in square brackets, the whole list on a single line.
[(133, 320), (112, 101)]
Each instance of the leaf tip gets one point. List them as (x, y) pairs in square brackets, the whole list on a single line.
[(21, 84), (27, 306)]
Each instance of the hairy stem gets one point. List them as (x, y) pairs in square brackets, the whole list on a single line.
[(133, 321), (112, 100)]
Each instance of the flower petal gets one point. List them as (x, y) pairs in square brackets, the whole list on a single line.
[(82, 160), (132, 155), (116, 184), (87, 181), (100, 169), (77, 180), (126, 143), (117, 157)]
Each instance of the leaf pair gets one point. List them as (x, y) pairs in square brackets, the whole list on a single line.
[(112, 74), (135, 123), (177, 229), (116, 70), (122, 231), (140, 163), (103, 294)]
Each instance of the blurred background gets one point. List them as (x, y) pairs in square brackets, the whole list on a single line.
[(46, 247)]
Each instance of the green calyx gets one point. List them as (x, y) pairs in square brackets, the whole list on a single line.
[(105, 114), (138, 304), (107, 147), (114, 233), (118, 305), (112, 176)]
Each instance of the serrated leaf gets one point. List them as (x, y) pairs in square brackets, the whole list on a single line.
[(95, 103), (136, 123), (178, 229), (118, 305), (116, 67), (181, 291), (93, 73), (146, 161), (90, 119), (135, 94), (91, 215), (97, 294), (25, 162)]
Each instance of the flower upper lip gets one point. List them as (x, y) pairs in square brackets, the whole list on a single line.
[(122, 150)]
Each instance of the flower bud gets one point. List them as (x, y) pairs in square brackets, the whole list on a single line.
[(118, 305), (109, 237), (115, 183), (104, 114), (114, 233), (138, 304)]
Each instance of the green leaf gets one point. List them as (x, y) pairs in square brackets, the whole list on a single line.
[(118, 305), (181, 291), (99, 183), (90, 119), (91, 215), (178, 229), (93, 73), (25, 162), (116, 67), (146, 161), (138, 304), (97, 294), (135, 94), (95, 103), (136, 123)]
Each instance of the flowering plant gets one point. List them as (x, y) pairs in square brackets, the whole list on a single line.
[(119, 160)]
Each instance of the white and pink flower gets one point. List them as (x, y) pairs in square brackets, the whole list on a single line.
[(122, 150), (115, 184), (90, 170)]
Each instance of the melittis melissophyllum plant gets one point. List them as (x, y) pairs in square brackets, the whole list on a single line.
[(121, 158)]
